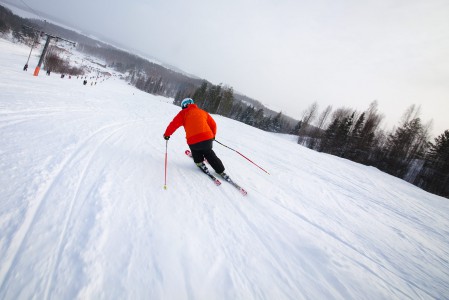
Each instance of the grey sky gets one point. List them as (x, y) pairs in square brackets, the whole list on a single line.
[(290, 53)]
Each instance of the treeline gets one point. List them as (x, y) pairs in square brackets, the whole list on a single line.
[(10, 23), (218, 99), (405, 152)]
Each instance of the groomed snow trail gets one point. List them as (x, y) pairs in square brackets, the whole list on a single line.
[(83, 212)]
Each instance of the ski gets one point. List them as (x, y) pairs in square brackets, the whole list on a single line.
[(228, 179), (238, 187), (212, 177)]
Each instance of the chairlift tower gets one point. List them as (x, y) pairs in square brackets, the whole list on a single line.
[(44, 51)]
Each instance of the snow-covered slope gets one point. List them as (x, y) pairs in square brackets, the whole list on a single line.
[(83, 212)]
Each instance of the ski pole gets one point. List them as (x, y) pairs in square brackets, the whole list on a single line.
[(165, 182), (243, 156)]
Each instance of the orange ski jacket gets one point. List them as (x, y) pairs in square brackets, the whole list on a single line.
[(198, 124)]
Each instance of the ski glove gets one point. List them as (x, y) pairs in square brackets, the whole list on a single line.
[(166, 137)]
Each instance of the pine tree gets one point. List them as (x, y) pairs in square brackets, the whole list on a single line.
[(265, 123), (247, 115), (439, 150), (226, 102), (367, 139), (276, 124), (342, 137), (295, 130), (401, 147), (236, 111), (327, 144), (259, 118), (356, 131), (434, 176), (213, 99), (354, 145), (200, 95)]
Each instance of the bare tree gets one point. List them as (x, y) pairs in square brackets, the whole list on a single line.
[(412, 112), (322, 119), (318, 130), (310, 113), (308, 116)]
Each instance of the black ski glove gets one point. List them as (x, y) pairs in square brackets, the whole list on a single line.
[(166, 137)]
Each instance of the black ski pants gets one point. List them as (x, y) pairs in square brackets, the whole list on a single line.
[(203, 150)]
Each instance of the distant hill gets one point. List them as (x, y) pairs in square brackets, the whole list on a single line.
[(126, 62)]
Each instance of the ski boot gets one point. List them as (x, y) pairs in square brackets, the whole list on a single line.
[(203, 167), (225, 176)]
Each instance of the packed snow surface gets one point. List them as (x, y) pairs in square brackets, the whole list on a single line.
[(83, 212)]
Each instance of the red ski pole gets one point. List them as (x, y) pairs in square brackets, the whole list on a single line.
[(244, 157), (165, 182)]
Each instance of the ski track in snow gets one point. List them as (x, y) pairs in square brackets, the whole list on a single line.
[(83, 214), (42, 196)]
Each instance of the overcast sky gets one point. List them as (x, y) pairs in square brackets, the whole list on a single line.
[(289, 53)]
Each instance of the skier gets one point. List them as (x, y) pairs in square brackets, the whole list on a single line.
[(200, 130)]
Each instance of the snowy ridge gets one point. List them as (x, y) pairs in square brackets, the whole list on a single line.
[(83, 212)]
